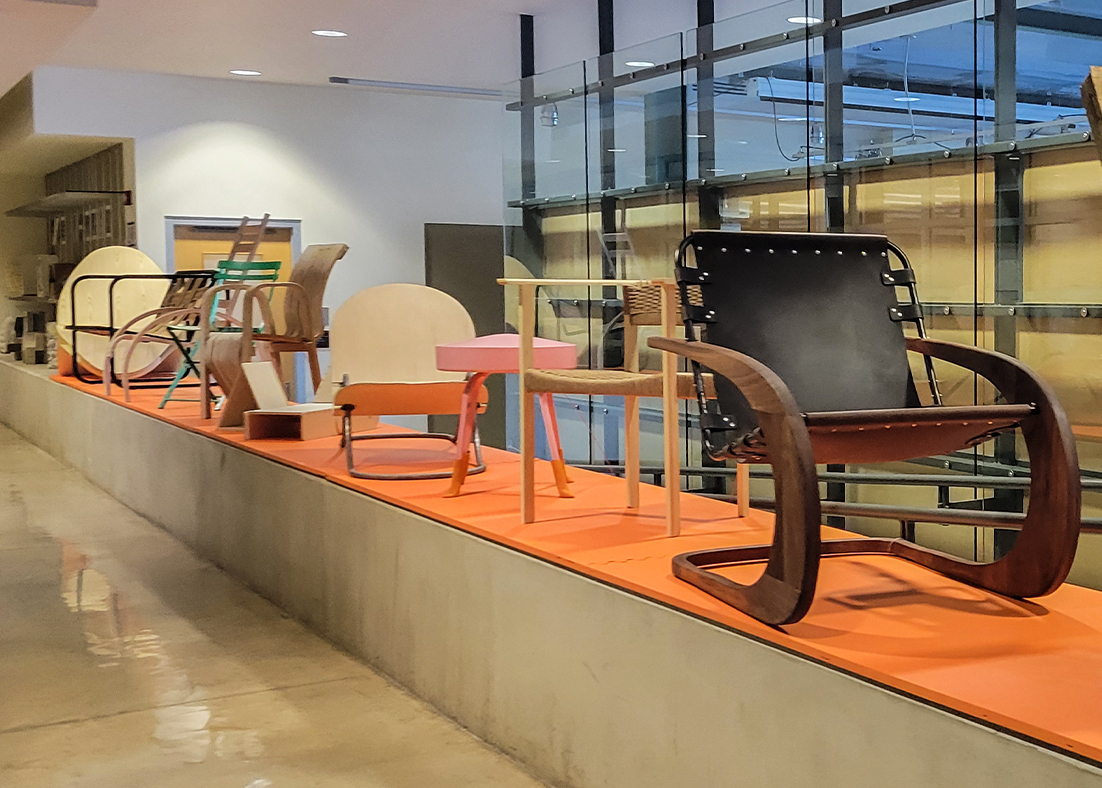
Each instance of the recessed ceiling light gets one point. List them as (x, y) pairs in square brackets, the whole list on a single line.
[(907, 98), (244, 72), (330, 33), (617, 150), (698, 136), (804, 20), (638, 64)]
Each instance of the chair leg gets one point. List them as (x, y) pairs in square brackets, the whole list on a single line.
[(558, 460), (742, 489), (631, 449), (315, 367), (783, 593)]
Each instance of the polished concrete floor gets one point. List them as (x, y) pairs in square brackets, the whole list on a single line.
[(125, 660)]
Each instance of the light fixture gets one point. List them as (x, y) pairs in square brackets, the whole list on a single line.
[(617, 150), (906, 99), (244, 72), (330, 33), (698, 136), (804, 20), (638, 64)]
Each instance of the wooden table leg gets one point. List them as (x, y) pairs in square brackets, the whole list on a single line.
[(670, 420), (558, 460), (468, 412), (527, 321)]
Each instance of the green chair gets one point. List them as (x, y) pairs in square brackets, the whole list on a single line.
[(223, 312)]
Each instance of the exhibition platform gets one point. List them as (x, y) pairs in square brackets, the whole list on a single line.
[(563, 640)]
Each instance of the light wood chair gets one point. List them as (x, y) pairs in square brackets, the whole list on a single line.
[(300, 326), (383, 363), (294, 325), (646, 303)]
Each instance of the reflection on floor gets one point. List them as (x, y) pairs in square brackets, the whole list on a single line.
[(125, 660)]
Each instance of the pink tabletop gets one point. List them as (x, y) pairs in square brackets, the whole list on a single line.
[(501, 353)]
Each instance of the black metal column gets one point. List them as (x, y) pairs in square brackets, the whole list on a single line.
[(833, 182), (530, 250), (833, 118), (1009, 235), (708, 198), (607, 111), (606, 95)]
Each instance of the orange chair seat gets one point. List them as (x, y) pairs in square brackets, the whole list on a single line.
[(440, 398)]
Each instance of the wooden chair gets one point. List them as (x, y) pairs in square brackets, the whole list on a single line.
[(171, 324), (383, 363), (301, 325), (811, 366), (642, 307), (295, 326)]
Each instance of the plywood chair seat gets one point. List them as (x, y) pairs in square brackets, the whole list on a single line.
[(383, 363), (609, 382), (422, 398), (804, 337)]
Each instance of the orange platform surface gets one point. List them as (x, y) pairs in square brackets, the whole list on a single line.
[(1033, 668)]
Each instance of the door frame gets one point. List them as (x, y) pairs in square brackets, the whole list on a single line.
[(172, 222)]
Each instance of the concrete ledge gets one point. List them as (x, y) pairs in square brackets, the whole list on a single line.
[(587, 685)]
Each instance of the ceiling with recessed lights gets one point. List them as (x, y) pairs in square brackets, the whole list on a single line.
[(468, 43)]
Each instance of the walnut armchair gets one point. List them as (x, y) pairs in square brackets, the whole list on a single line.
[(810, 360)]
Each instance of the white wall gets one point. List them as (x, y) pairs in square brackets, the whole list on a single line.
[(366, 168)]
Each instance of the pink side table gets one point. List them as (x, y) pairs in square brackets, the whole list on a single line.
[(485, 356)]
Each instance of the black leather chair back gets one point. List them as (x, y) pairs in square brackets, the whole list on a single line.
[(818, 309)]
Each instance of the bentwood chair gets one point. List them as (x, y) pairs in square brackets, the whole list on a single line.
[(383, 363), (171, 324), (805, 339), (293, 324), (219, 311)]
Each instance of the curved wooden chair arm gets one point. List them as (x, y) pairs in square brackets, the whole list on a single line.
[(1037, 565), (784, 592), (207, 303), (255, 294), (158, 318), (1043, 554)]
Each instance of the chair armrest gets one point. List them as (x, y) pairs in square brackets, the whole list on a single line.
[(778, 415), (305, 316), (206, 305), (1018, 384)]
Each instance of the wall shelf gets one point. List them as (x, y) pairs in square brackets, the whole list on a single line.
[(62, 203)]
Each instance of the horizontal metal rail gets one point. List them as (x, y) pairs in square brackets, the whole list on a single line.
[(901, 479), (802, 173), (974, 519)]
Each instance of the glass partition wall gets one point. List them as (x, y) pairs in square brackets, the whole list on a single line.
[(954, 127)]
